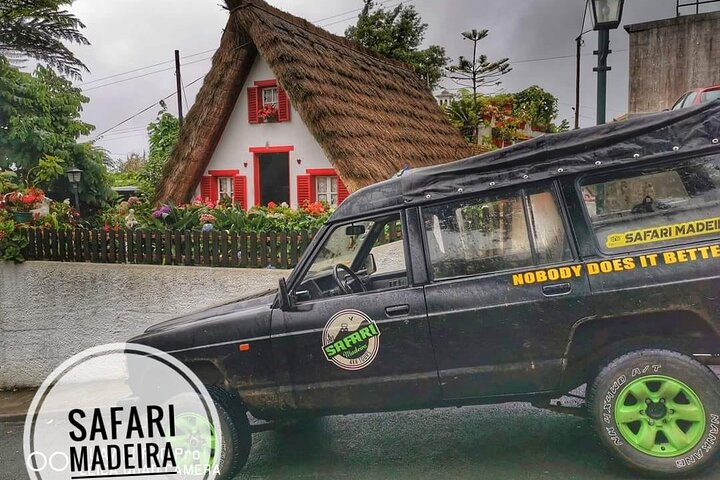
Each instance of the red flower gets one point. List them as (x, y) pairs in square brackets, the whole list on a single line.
[(315, 208), (269, 111), (272, 205)]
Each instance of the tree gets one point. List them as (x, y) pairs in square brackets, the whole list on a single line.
[(127, 172), (164, 133), (477, 72), (40, 122), (37, 29), (397, 34), (537, 106), (465, 114)]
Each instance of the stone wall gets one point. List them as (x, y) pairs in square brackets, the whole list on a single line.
[(669, 57), (50, 311)]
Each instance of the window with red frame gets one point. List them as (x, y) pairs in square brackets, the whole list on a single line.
[(224, 184), (326, 189), (225, 188), (321, 185), (267, 103)]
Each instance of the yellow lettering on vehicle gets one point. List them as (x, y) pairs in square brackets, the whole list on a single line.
[(666, 232), (547, 275), (674, 258), (610, 266)]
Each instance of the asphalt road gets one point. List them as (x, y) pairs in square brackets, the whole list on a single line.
[(509, 442)]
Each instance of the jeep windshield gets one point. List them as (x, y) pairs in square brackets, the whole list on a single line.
[(342, 246)]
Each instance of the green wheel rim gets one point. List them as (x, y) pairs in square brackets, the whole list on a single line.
[(660, 416), (193, 433)]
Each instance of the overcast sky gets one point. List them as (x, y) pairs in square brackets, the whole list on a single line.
[(131, 34)]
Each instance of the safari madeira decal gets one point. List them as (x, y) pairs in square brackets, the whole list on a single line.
[(351, 340)]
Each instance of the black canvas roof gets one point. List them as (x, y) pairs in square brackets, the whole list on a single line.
[(689, 132)]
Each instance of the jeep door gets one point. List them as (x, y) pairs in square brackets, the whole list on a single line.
[(506, 290), (357, 350)]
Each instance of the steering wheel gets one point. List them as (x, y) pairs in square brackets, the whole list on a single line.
[(343, 283)]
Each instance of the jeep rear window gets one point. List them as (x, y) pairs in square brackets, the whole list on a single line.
[(640, 209)]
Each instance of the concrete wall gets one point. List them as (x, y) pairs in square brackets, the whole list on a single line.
[(240, 135), (50, 311), (669, 57)]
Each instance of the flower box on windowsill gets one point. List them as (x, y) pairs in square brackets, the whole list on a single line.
[(269, 120)]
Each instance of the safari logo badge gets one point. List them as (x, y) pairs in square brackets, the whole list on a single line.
[(351, 340)]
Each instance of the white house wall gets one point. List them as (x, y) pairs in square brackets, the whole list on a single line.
[(239, 136)]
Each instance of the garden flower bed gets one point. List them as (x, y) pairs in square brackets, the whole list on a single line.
[(201, 233)]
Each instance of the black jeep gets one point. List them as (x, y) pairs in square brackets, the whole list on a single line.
[(590, 257)]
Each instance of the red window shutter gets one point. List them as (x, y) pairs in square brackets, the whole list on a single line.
[(283, 106), (303, 189), (206, 187), (253, 108), (240, 190), (342, 191)]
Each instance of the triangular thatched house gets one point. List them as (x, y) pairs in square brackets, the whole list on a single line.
[(290, 112)]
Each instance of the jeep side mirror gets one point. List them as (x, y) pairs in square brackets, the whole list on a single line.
[(286, 303), (370, 265)]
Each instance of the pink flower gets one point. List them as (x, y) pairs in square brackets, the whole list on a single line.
[(207, 218)]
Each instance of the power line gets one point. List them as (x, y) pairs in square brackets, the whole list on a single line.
[(143, 68), (529, 60), (133, 116), (187, 104), (351, 17), (125, 137), (139, 69), (317, 22), (381, 4), (143, 75), (98, 137)]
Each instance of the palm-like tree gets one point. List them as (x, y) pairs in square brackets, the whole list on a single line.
[(36, 29)]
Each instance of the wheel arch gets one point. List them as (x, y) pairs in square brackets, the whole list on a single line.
[(596, 341)]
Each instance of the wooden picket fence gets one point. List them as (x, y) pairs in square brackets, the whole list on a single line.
[(209, 249)]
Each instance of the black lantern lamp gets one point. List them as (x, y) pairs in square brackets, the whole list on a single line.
[(74, 175), (607, 15)]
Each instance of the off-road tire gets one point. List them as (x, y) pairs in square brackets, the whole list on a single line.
[(236, 434), (616, 399)]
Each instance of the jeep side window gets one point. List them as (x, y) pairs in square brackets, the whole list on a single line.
[(495, 233), (372, 249), (647, 208)]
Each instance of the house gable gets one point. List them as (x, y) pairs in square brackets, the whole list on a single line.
[(371, 116), (245, 139)]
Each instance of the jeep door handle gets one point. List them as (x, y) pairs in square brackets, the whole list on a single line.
[(556, 289), (397, 310)]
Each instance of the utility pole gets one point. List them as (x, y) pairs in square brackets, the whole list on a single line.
[(178, 80), (579, 41)]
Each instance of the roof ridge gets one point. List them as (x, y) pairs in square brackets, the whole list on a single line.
[(311, 28)]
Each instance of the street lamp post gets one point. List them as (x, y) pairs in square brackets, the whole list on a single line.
[(606, 15), (74, 175)]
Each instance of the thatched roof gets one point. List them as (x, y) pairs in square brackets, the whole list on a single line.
[(370, 115)]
